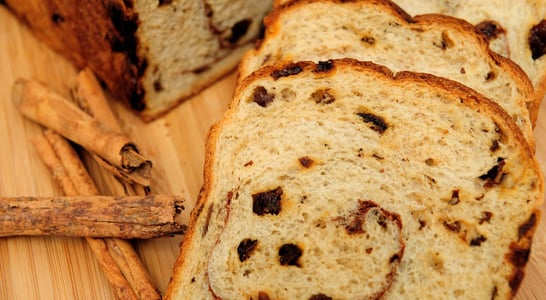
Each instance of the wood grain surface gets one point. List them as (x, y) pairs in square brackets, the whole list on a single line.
[(64, 268)]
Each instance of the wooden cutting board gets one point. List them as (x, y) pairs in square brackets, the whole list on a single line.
[(65, 268)]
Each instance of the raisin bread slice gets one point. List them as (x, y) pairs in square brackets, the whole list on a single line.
[(150, 54), (381, 32), (305, 149), (515, 29)]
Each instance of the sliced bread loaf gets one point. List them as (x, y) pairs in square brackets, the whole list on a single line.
[(515, 29), (381, 32), (151, 54), (316, 167)]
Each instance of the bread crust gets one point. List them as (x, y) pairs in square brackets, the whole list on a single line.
[(80, 32)]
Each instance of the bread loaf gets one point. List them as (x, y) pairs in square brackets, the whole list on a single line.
[(150, 54), (381, 32), (515, 29), (313, 159)]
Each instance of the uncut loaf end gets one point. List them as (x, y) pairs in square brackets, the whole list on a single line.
[(150, 54)]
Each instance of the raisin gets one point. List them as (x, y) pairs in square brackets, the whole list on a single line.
[(157, 86), (320, 297), (249, 163), (454, 197), (262, 97), (494, 175), (537, 40), (306, 162), (289, 70), (455, 226), (368, 40), (394, 258), (322, 97), (445, 43), (245, 248), (477, 241), (164, 2), (494, 146), (267, 202), (239, 30), (527, 226), (378, 156), (263, 296), (324, 66), (378, 124), (490, 29), (486, 217), (289, 255), (57, 18)]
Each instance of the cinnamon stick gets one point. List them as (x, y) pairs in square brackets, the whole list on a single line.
[(42, 105), (90, 97), (121, 265), (50, 157), (134, 217)]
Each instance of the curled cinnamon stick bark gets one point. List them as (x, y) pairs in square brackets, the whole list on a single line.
[(74, 180), (89, 96), (97, 216), (40, 104), (120, 264)]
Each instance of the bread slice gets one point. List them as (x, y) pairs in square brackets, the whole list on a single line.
[(151, 54), (381, 32), (305, 149), (515, 29)]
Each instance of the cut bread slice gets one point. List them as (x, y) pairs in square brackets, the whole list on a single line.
[(304, 145), (381, 32), (515, 29)]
